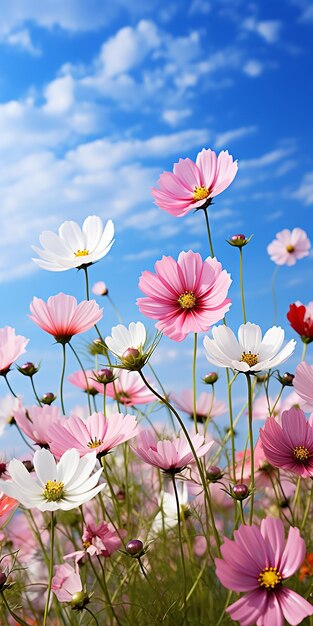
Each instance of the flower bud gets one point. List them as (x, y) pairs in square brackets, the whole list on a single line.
[(261, 378), (79, 600), (214, 473), (135, 548), (97, 347), (28, 369), (104, 375), (132, 359), (3, 579), (210, 379), (286, 379), (239, 240), (240, 491), (48, 398)]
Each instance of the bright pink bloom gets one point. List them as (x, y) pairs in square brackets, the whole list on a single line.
[(62, 317), (66, 582), (98, 540), (289, 246), (11, 347), (129, 389), (98, 433), (79, 380), (257, 562), (35, 421), (300, 317), (207, 405), (6, 504), (303, 384), (169, 456), (192, 185), (186, 296), (290, 445)]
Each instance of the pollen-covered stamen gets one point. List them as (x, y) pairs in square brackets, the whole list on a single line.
[(301, 453), (270, 578), (200, 193), (53, 491), (187, 300), (81, 252), (94, 443), (251, 359), (290, 248)]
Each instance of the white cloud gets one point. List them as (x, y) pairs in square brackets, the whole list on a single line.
[(253, 68), (128, 48), (223, 139), (59, 95), (199, 6), (21, 39), (305, 191), (269, 30), (174, 117), (266, 159)]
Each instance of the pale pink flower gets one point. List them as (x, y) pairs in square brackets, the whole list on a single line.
[(100, 288), (97, 433), (257, 562), (11, 347), (261, 410), (129, 389), (303, 384), (188, 295), (66, 582), (289, 246), (169, 456), (79, 380), (98, 540), (193, 185), (207, 406), (62, 317), (35, 421)]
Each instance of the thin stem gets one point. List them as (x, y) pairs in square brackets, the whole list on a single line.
[(305, 347), (242, 513), (50, 569), (224, 609), (86, 283), (24, 438), (115, 309), (34, 390), (209, 231), (307, 508), (296, 496), (106, 593), (164, 394), (231, 423), (91, 613), (274, 294), (18, 619), (194, 382), (7, 382), (180, 539), (272, 409), (62, 378), (85, 376), (251, 446), (242, 287)]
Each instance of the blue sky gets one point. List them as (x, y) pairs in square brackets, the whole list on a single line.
[(97, 100)]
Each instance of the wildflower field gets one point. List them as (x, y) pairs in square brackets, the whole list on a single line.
[(136, 507)]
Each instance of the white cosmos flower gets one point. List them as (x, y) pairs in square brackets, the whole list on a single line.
[(75, 246), (250, 353), (166, 518), (122, 338), (8, 404), (63, 485)]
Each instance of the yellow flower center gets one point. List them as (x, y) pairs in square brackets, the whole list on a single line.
[(270, 578), (200, 193), (301, 453), (251, 359), (81, 252), (187, 300), (94, 443), (53, 491), (290, 248), (86, 544)]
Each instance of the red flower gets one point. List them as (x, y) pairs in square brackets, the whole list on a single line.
[(301, 320)]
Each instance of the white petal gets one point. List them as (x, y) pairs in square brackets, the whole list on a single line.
[(45, 466), (271, 343), (85, 485), (282, 356), (250, 337), (226, 341), (71, 234), (214, 354), (53, 244), (83, 470), (23, 478), (137, 333), (240, 366), (92, 229), (67, 466), (73, 501)]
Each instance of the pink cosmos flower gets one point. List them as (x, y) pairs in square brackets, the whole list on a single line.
[(169, 456), (35, 421), (66, 582), (98, 433), (100, 289), (261, 410), (79, 380), (207, 405), (11, 347), (98, 540), (303, 384), (62, 317), (290, 445), (192, 185), (185, 296), (289, 246), (257, 562), (129, 389)]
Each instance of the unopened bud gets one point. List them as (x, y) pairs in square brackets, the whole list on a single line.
[(104, 375), (239, 240), (28, 369), (214, 473), (210, 379), (240, 491), (97, 347), (79, 600), (132, 359), (48, 398), (135, 547), (286, 379)]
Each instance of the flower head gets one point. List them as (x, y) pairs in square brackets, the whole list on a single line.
[(193, 185), (128, 344), (64, 485), (6, 504), (98, 540), (129, 389), (187, 295), (303, 384), (206, 406), (62, 317), (75, 246), (289, 445), (289, 246), (257, 562), (100, 289), (250, 353), (11, 347), (66, 582), (170, 456), (35, 421), (98, 433), (91, 385), (300, 317)]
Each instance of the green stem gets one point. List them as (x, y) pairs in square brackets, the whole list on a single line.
[(50, 570), (62, 378), (10, 388), (164, 394), (35, 392), (106, 593), (296, 496), (305, 347), (231, 423), (272, 409), (88, 298), (242, 287), (274, 294), (115, 309), (194, 382), (85, 376), (180, 540), (91, 613), (18, 619), (209, 231), (307, 508), (224, 609), (251, 446)]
